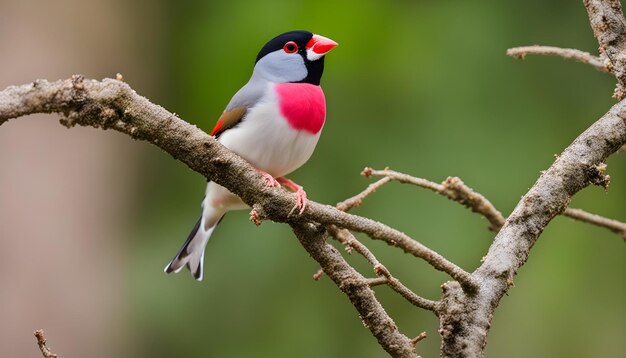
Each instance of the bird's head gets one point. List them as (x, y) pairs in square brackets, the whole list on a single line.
[(295, 56)]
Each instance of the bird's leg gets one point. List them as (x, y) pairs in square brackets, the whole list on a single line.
[(270, 182), (269, 179), (300, 194)]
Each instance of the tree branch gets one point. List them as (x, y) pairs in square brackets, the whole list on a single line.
[(41, 342), (346, 238), (465, 320), (609, 28), (356, 200), (613, 225), (112, 104), (467, 305), (453, 188), (357, 288), (568, 53)]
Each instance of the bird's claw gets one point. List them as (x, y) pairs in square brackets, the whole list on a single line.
[(301, 201), (270, 181), (255, 217)]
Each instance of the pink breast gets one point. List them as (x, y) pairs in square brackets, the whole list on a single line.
[(303, 105)]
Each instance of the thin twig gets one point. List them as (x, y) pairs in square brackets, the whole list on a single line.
[(615, 226), (346, 238), (568, 53), (419, 338), (111, 104), (357, 289), (453, 188), (356, 200), (377, 281), (318, 275), (405, 292), (41, 342)]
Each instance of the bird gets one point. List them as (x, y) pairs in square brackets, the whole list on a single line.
[(274, 122)]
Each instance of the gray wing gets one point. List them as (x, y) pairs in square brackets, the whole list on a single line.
[(247, 97)]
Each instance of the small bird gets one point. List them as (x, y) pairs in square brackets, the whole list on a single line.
[(274, 122)]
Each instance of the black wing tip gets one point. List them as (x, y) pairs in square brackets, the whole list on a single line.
[(169, 268), (183, 252), (195, 272)]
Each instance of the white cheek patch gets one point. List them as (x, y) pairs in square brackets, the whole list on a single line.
[(312, 55), (279, 66)]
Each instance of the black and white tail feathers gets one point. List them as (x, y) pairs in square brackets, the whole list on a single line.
[(191, 254)]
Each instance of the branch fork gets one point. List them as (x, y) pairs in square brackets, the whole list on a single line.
[(467, 304)]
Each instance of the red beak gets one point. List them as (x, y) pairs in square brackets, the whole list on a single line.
[(320, 44)]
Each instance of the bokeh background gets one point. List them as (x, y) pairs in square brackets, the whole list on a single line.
[(88, 219)]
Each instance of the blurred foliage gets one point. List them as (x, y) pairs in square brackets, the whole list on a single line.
[(423, 87)]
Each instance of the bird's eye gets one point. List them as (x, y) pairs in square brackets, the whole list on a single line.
[(290, 47)]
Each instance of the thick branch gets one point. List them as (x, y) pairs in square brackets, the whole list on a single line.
[(567, 53), (609, 28), (465, 321), (112, 104), (357, 288)]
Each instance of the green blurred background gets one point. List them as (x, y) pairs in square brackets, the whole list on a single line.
[(423, 87)]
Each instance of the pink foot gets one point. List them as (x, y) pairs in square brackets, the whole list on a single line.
[(255, 217), (300, 194), (269, 180)]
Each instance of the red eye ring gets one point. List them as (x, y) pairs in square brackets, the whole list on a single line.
[(290, 47)]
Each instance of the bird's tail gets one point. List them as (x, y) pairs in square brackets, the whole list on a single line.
[(191, 255)]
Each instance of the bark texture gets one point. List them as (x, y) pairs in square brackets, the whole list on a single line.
[(466, 319), (468, 303)]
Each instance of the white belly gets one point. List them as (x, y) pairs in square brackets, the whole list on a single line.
[(268, 142)]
